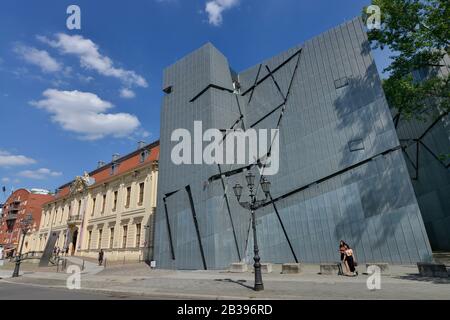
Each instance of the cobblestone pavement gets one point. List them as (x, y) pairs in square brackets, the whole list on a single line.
[(139, 280)]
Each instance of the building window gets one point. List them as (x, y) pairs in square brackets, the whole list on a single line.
[(79, 207), (93, 206), (340, 83), (111, 237), (89, 239), (114, 168), (144, 155), (100, 235), (115, 201), (124, 236), (168, 89), (104, 204), (356, 145), (127, 203), (138, 235), (141, 193)]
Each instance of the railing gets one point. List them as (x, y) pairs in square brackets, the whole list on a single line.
[(25, 256), (11, 216), (74, 218)]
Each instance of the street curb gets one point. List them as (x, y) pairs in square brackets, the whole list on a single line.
[(169, 296)]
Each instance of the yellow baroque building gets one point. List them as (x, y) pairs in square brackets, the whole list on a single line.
[(111, 208)]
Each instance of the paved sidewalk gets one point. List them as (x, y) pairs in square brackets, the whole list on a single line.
[(5, 274), (89, 267), (403, 283)]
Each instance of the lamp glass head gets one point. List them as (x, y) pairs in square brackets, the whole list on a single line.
[(250, 177), (238, 191), (265, 185)]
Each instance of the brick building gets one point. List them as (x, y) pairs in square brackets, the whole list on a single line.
[(18, 205)]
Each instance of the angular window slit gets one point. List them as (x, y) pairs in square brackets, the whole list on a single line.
[(168, 89), (341, 83), (356, 145)]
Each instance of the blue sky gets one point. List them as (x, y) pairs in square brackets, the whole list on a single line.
[(69, 98)]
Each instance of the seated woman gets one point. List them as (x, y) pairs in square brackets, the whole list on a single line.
[(349, 260)]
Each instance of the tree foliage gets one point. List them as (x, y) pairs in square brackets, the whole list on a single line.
[(418, 33)]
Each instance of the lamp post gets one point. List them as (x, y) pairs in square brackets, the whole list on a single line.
[(25, 226), (254, 205)]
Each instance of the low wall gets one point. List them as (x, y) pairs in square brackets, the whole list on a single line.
[(115, 255)]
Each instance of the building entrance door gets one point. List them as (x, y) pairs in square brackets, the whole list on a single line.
[(74, 242)]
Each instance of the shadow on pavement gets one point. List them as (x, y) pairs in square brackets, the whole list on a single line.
[(239, 282), (418, 277)]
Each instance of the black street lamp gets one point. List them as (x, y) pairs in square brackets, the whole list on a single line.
[(254, 205), (25, 226)]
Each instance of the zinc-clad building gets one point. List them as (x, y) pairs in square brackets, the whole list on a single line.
[(424, 143), (342, 174)]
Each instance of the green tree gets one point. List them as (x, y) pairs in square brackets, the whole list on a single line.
[(418, 33)]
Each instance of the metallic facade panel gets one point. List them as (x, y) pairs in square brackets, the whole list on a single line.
[(324, 190)]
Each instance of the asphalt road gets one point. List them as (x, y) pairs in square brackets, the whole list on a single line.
[(10, 291)]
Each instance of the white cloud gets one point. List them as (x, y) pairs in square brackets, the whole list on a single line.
[(215, 8), (85, 79), (8, 160), (6, 180), (127, 93), (40, 58), (39, 174), (85, 113), (90, 58), (139, 134)]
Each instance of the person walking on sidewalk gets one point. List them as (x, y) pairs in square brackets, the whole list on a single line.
[(100, 257)]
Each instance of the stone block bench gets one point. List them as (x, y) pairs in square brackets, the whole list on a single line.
[(330, 269), (434, 270), (384, 267), (265, 268), (238, 267), (291, 268)]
